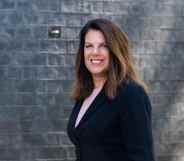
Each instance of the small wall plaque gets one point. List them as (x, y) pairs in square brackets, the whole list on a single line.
[(54, 32)]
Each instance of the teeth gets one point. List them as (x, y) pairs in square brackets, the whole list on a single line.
[(96, 61)]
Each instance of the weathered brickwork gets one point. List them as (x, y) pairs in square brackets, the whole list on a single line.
[(36, 71)]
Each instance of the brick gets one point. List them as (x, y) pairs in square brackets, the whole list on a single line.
[(43, 126), (46, 18), (14, 19), (78, 6), (9, 127), (175, 110), (179, 23), (168, 148), (166, 86), (14, 73), (55, 86), (7, 32), (47, 73), (52, 153), (115, 8), (72, 46), (70, 60), (4, 18), (172, 2), (9, 154), (34, 126), (56, 59), (70, 33), (36, 86), (67, 85), (41, 4), (10, 140), (167, 48), (7, 86), (25, 99), (137, 9), (145, 47), (5, 59), (52, 99), (63, 139), (14, 45), (166, 158), (53, 138), (31, 139), (133, 28), (29, 73), (167, 74), (9, 114), (30, 58), (31, 45), (23, 4), (55, 112), (96, 7), (154, 34), (7, 4), (23, 33), (4, 44), (156, 60), (172, 36), (61, 73), (39, 32), (74, 20), (65, 73), (28, 153), (32, 112), (54, 5), (58, 125), (3, 73), (45, 99), (31, 16), (71, 152), (53, 45)]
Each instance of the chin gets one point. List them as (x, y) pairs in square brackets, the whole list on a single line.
[(98, 73)]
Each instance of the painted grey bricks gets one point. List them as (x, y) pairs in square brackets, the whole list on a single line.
[(36, 71)]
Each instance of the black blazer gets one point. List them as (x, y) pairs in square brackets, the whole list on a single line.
[(114, 130)]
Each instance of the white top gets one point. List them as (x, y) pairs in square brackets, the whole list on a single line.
[(87, 102)]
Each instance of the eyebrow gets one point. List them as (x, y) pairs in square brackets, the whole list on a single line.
[(92, 43)]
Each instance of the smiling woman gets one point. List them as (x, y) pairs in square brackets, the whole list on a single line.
[(111, 118), (96, 55)]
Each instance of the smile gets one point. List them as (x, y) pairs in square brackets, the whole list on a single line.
[(96, 61)]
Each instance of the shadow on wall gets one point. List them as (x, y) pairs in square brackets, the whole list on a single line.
[(162, 43)]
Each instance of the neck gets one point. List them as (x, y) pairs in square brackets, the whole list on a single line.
[(99, 82)]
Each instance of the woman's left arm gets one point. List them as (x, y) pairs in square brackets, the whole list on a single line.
[(136, 125)]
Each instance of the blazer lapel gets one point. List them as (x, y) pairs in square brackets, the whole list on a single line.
[(99, 99)]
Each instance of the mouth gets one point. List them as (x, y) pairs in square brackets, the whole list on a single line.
[(96, 61)]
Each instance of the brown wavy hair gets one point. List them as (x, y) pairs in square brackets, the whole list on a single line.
[(121, 66)]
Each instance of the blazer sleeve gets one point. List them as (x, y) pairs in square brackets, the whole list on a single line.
[(135, 124)]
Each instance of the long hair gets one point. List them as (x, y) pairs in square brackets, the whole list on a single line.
[(121, 67)]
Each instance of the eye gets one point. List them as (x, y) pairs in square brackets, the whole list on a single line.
[(88, 46), (103, 45)]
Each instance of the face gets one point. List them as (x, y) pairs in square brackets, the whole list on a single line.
[(96, 53)]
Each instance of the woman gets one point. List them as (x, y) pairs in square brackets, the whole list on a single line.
[(111, 118)]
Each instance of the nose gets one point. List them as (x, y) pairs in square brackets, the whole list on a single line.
[(95, 50)]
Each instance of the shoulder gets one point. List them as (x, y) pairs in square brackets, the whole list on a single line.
[(131, 88), (134, 96)]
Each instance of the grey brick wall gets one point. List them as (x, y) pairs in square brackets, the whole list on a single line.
[(36, 71)]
